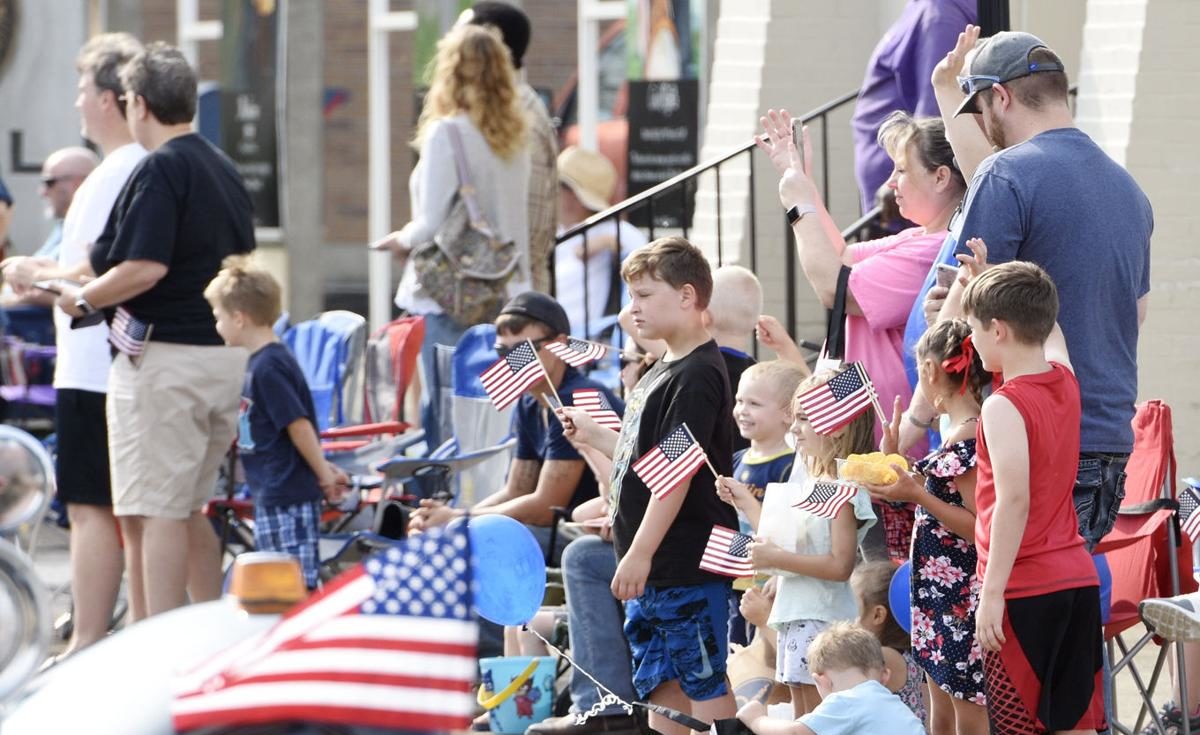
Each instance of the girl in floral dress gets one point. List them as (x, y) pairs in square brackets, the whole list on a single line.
[(944, 586)]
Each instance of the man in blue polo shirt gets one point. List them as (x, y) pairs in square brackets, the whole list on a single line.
[(546, 471)]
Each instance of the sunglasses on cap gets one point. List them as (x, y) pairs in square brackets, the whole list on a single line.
[(974, 82)]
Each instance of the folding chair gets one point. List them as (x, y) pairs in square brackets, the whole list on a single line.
[(329, 349), (1145, 551), (478, 427)]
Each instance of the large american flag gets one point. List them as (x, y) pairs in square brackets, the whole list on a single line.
[(577, 352), (511, 375), (389, 644), (596, 405), (1189, 512), (671, 462), (833, 404), (728, 553), (128, 333), (827, 498)]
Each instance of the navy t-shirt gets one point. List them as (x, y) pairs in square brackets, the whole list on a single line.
[(758, 472), (184, 206), (274, 395), (540, 435), (1059, 201)]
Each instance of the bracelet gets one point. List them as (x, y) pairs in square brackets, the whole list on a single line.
[(927, 425)]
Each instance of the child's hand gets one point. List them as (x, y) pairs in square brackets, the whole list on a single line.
[(989, 622), (755, 607), (431, 514), (905, 489), (578, 426), (890, 443), (733, 492), (334, 483), (976, 262), (630, 580), (751, 711), (763, 553)]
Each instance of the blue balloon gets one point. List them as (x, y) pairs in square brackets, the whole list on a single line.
[(899, 596), (509, 569)]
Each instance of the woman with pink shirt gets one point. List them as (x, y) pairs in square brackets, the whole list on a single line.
[(885, 274)]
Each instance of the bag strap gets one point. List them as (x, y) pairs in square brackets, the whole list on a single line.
[(466, 189), (835, 325)]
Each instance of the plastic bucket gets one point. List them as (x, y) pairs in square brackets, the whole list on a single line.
[(517, 691)]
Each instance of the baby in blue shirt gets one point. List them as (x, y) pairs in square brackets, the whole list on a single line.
[(846, 662)]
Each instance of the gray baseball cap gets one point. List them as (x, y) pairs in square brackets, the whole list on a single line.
[(1001, 58)]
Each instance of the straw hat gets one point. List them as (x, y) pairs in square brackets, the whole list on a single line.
[(589, 174)]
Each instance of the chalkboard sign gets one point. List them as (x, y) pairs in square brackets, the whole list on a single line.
[(664, 126)]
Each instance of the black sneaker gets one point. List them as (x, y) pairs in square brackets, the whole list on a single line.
[(1172, 720)]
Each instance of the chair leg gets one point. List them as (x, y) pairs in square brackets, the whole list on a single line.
[(1144, 692)]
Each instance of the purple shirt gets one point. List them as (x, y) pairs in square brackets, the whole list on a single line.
[(897, 78)]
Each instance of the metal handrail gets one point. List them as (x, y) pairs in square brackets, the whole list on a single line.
[(695, 171)]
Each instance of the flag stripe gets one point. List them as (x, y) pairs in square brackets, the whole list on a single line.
[(421, 679), (662, 475), (577, 352), (504, 387), (381, 658), (718, 556), (597, 406)]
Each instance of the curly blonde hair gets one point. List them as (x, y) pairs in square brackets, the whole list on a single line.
[(473, 73)]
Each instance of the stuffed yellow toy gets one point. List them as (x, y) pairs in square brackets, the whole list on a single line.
[(872, 469)]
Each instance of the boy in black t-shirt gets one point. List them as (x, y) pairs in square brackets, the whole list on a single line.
[(277, 436), (675, 613)]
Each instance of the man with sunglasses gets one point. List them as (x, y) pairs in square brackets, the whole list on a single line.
[(547, 472), (1052, 196)]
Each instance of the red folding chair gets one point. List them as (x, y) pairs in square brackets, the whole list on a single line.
[(1145, 552)]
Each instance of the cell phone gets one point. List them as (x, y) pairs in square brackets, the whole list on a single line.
[(798, 140), (54, 285), (946, 275)]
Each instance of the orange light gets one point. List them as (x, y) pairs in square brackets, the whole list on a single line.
[(265, 582)]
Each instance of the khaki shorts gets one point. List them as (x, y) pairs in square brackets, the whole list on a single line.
[(171, 420)]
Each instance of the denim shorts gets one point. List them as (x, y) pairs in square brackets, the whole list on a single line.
[(680, 633), (1099, 489)]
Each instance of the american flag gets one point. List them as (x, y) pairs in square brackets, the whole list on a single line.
[(827, 498), (1189, 512), (728, 553), (577, 352), (128, 333), (508, 378), (389, 644), (596, 405), (671, 462), (832, 405)]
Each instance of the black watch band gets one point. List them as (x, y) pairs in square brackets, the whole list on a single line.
[(797, 212), (83, 305)]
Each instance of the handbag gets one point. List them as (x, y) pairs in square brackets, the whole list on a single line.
[(834, 350), (466, 267)]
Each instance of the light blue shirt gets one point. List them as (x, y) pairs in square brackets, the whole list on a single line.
[(867, 709)]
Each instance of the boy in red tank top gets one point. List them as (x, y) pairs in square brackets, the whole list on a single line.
[(1038, 619)]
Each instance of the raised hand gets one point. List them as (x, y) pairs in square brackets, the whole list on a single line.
[(976, 262), (890, 443), (947, 71)]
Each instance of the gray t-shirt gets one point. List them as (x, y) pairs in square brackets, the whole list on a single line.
[(1059, 201)]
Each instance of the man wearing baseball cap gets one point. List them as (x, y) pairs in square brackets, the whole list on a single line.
[(546, 471), (1050, 195)]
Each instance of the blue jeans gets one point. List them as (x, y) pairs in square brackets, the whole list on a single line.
[(1099, 489), (596, 618), (439, 330)]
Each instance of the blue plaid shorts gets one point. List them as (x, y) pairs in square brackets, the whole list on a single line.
[(292, 529)]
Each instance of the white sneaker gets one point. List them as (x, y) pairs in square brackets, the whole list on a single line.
[(1173, 618)]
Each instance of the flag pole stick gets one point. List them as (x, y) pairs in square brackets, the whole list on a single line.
[(862, 373), (703, 453), (544, 372)]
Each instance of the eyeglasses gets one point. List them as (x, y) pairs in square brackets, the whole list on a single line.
[(506, 350), (974, 82)]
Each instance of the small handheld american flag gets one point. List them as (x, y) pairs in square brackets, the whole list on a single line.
[(511, 375), (577, 352), (728, 553), (833, 404), (128, 333), (670, 463), (827, 497), (1189, 512), (389, 644), (595, 404)]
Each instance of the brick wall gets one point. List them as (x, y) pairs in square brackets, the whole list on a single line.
[(1140, 99)]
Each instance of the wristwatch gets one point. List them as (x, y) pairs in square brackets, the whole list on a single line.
[(83, 305), (798, 211)]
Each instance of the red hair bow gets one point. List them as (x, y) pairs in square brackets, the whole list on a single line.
[(961, 362)]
